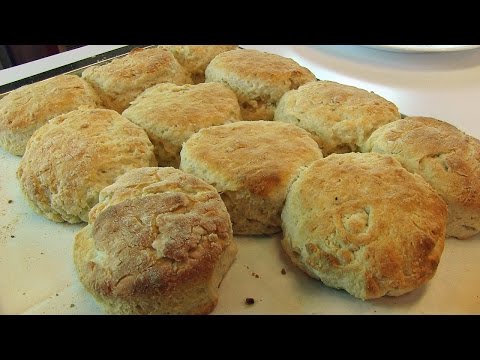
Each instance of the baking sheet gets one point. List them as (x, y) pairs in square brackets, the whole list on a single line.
[(75, 68), (37, 275)]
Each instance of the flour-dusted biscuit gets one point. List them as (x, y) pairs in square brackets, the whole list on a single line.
[(74, 156), (252, 164), (447, 158), (158, 242), (259, 79), (195, 58), (25, 109), (363, 223), (339, 117), (122, 80), (171, 113)]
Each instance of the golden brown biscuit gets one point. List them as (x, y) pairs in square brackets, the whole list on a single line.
[(69, 160), (448, 159), (25, 109), (195, 58), (159, 242), (122, 80), (259, 79), (170, 114), (339, 117), (363, 223), (252, 164)]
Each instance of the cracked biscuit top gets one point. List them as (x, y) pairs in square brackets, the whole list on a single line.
[(258, 79), (29, 107), (120, 81), (339, 117), (195, 58), (154, 232), (171, 113), (447, 158), (74, 156), (363, 223), (251, 164)]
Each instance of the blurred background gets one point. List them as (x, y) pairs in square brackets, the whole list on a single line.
[(12, 55)]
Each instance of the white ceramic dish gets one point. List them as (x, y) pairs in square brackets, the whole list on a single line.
[(423, 48)]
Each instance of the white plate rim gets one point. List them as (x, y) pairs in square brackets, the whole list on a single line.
[(423, 48)]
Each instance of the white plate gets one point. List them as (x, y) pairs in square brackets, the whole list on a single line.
[(423, 48)]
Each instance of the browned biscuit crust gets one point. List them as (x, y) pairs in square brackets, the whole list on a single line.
[(259, 79), (195, 58), (26, 109), (339, 117), (171, 113), (363, 223), (122, 80), (447, 158), (251, 164), (69, 160), (159, 242)]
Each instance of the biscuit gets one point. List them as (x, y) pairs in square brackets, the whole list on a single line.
[(195, 58), (259, 79), (339, 117), (171, 113), (447, 158), (122, 80), (158, 242), (74, 156), (25, 109), (363, 223), (251, 164)]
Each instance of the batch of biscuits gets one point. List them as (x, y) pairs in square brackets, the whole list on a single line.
[(168, 152)]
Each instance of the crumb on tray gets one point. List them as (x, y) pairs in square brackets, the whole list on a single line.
[(249, 301)]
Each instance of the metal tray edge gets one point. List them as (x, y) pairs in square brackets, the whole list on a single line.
[(75, 68)]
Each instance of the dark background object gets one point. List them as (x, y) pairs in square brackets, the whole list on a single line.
[(12, 55)]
